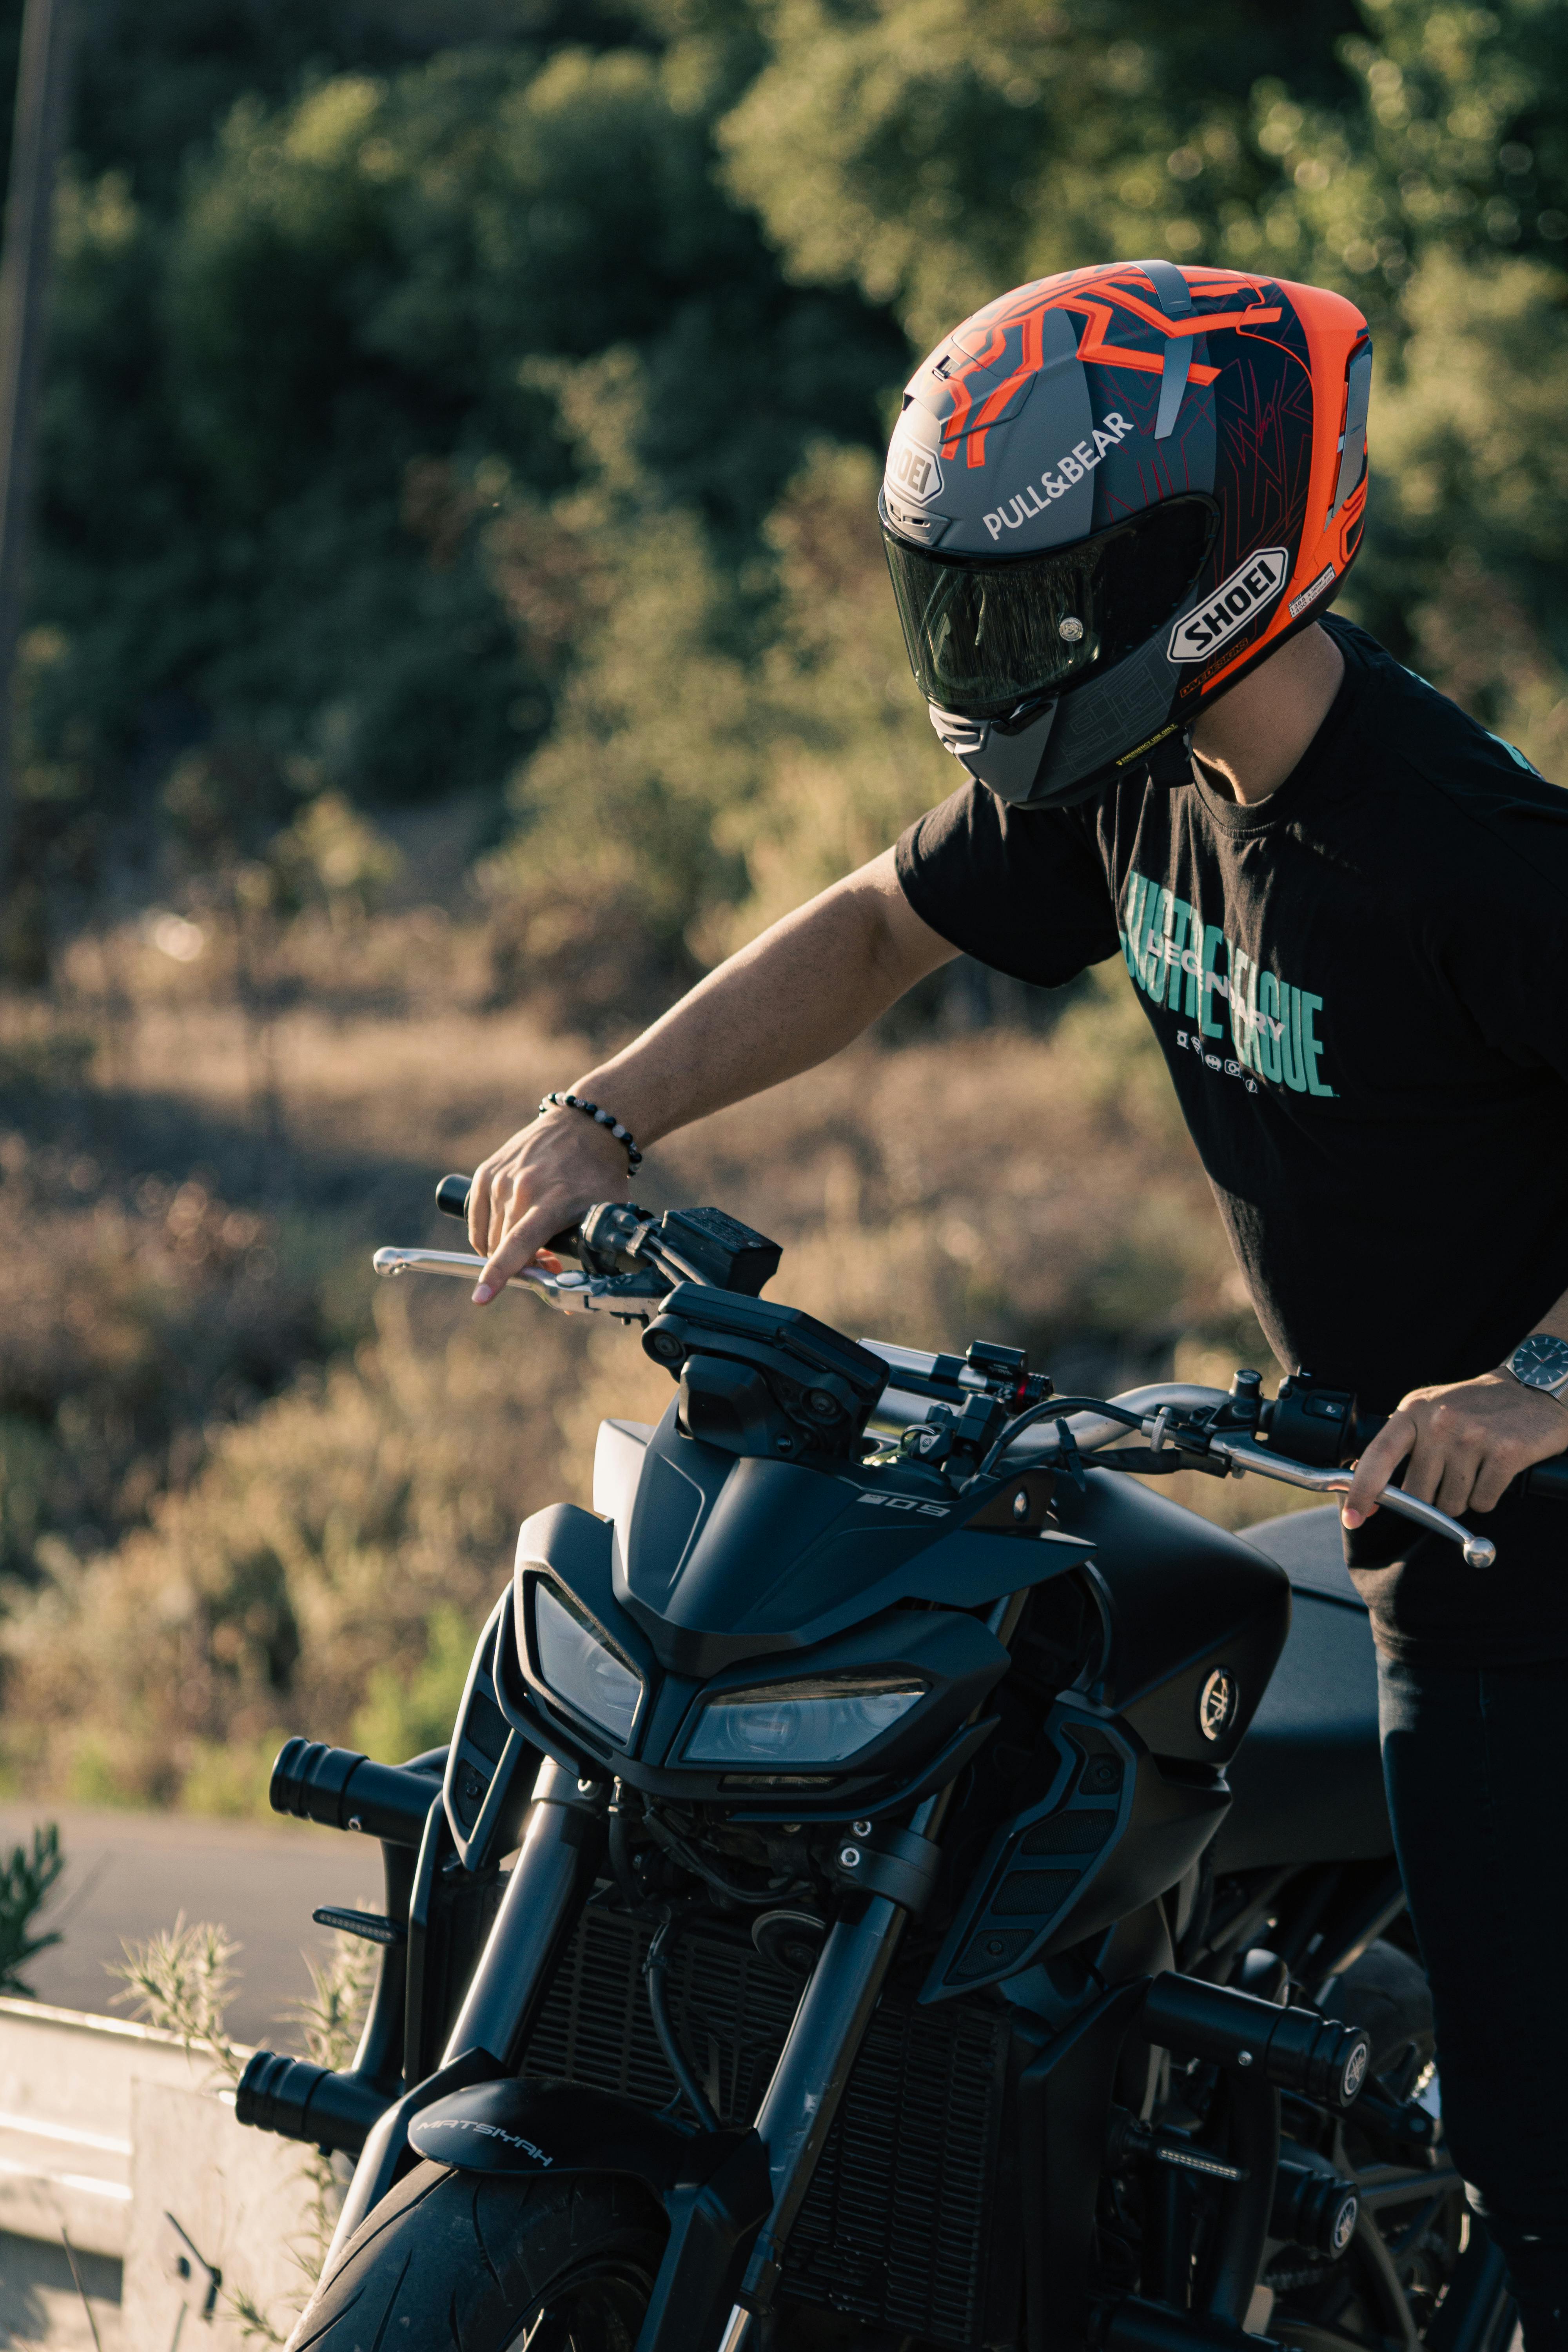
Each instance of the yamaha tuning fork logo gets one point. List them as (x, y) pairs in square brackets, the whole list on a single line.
[(1251, 586), (1217, 1703)]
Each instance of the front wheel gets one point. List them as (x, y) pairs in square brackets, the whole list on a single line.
[(481, 2263)]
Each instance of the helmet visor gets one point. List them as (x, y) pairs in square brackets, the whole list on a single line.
[(984, 637)]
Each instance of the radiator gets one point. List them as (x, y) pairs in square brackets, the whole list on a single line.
[(898, 2224)]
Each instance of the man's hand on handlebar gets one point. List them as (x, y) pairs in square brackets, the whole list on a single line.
[(1465, 1443), (542, 1180)]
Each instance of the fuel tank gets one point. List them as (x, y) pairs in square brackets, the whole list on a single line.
[(1193, 1623), (1194, 1619)]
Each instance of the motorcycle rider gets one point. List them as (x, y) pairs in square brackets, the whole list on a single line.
[(1117, 507)]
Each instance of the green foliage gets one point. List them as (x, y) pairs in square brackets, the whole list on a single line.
[(337, 1553), (124, 1322), (180, 1981), (404, 1716), (27, 1877), (715, 757), (314, 440), (936, 151), (250, 386)]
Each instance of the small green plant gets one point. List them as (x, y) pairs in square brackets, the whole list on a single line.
[(26, 1880), (331, 2015), (180, 1980), (329, 2019)]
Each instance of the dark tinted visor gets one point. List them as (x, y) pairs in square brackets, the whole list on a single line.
[(984, 637)]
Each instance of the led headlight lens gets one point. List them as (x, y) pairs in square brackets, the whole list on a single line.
[(579, 1668), (824, 1722)]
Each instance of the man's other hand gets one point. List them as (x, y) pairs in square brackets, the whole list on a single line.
[(1461, 1446)]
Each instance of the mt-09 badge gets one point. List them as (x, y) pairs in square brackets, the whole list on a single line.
[(1251, 586), (1217, 1703)]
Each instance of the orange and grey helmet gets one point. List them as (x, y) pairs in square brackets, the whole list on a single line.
[(1110, 495)]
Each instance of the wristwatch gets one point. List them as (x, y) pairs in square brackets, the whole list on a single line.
[(1541, 1362)]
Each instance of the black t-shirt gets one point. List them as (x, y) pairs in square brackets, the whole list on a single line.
[(1359, 989)]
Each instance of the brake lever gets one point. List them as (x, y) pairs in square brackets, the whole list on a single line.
[(1480, 1551)]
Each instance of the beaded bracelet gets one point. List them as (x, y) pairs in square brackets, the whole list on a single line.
[(601, 1118)]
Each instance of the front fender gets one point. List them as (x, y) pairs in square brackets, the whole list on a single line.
[(715, 2186)]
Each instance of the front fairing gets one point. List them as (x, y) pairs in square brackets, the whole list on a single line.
[(712, 1573), (720, 1560)]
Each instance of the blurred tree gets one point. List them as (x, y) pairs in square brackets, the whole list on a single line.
[(330, 278), (158, 77), (932, 153), (936, 151), (276, 417)]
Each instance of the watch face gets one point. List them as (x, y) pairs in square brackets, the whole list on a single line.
[(1541, 1362)]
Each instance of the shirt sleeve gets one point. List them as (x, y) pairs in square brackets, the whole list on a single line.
[(1023, 891)]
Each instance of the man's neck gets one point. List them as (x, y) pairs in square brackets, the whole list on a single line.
[(1248, 741)]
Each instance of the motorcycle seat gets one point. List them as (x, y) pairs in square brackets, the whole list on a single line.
[(1307, 1780)]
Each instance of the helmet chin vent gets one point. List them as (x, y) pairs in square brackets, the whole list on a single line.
[(1005, 757), (957, 734)]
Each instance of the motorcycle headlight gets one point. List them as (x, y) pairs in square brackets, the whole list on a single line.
[(578, 1664), (824, 1722)]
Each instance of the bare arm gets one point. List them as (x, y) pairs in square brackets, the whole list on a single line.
[(791, 999)]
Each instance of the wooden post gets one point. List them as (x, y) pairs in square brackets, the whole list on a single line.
[(41, 83)]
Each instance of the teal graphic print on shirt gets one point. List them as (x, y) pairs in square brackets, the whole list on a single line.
[(1191, 968)]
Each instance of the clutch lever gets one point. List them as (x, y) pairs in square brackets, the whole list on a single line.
[(465, 1267), (630, 1296)]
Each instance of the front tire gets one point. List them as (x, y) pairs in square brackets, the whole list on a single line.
[(478, 2263)]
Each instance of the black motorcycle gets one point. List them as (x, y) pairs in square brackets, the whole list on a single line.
[(895, 1882)]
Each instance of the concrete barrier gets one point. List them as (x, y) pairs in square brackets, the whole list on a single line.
[(114, 2136), (218, 2216), (65, 2119)]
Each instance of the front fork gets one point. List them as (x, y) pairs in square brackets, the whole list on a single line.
[(562, 1847), (814, 2066), (801, 2099)]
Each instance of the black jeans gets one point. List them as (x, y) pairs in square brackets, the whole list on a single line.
[(1477, 1765)]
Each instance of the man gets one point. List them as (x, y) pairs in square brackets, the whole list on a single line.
[(1117, 507)]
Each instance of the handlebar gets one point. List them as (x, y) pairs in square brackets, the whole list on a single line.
[(629, 1260), (1164, 1400)]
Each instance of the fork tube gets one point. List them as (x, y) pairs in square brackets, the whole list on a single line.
[(801, 2100), (562, 1842)]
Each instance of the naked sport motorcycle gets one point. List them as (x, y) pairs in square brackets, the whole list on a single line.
[(895, 1882)]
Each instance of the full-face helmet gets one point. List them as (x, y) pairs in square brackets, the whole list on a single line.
[(1109, 496)]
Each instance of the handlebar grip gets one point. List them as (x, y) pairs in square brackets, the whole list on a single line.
[(452, 1200), (1548, 1479), (452, 1195), (1548, 1482)]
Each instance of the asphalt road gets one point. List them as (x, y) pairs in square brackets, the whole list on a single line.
[(130, 1875)]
